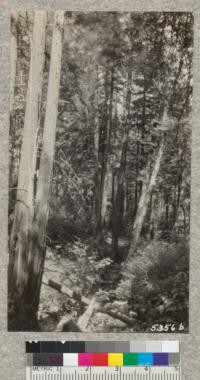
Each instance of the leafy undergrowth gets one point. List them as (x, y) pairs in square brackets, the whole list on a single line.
[(160, 284), (151, 289)]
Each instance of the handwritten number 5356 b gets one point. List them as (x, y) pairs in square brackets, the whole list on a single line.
[(168, 327)]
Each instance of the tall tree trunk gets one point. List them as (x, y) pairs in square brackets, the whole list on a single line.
[(13, 58), (13, 69), (37, 249), (118, 196), (34, 252), (148, 184), (106, 169), (136, 177), (96, 148), (143, 117), (178, 195), (101, 158), (178, 203), (24, 204), (105, 164)]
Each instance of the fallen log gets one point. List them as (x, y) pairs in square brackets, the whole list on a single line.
[(84, 319), (76, 294), (68, 324), (117, 315), (92, 306)]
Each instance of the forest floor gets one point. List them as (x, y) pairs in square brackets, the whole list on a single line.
[(158, 294), (72, 267)]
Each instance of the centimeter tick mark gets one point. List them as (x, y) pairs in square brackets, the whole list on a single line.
[(93, 373)]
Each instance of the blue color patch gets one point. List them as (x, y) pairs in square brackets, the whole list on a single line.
[(145, 359)]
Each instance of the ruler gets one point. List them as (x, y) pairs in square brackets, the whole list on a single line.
[(103, 373)]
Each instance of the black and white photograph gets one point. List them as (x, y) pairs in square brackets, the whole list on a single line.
[(100, 171)]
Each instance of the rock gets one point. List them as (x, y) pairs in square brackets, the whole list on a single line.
[(42, 315), (108, 305), (133, 314), (58, 247), (106, 320), (121, 306), (102, 297), (67, 324), (54, 309), (49, 254), (112, 295), (142, 310), (160, 309)]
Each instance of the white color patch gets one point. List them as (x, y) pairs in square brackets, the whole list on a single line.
[(70, 360), (170, 346)]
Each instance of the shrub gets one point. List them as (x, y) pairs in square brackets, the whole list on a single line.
[(159, 282)]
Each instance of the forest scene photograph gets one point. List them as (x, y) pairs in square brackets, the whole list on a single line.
[(100, 157)]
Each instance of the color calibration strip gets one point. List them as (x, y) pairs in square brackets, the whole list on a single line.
[(103, 359), (135, 360), (169, 346), (107, 354)]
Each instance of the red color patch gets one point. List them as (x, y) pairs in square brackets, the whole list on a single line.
[(100, 359)]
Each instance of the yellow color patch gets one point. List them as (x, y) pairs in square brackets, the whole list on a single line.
[(115, 360)]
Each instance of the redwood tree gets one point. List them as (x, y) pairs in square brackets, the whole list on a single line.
[(27, 251)]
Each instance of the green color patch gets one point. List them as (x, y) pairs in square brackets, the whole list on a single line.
[(130, 359)]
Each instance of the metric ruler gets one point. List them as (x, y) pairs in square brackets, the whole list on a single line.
[(103, 373)]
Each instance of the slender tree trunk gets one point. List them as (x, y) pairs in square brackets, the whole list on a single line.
[(97, 174), (184, 218), (117, 214), (178, 201), (105, 164), (106, 191), (99, 180), (179, 183), (136, 178), (178, 187), (106, 174), (167, 211), (127, 199), (143, 117), (140, 151), (144, 201), (24, 204)]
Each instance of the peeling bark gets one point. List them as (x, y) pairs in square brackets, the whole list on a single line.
[(24, 206), (37, 251), (27, 242)]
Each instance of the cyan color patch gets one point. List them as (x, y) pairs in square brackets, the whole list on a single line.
[(145, 359)]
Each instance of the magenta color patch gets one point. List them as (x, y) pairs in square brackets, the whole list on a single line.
[(85, 359)]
